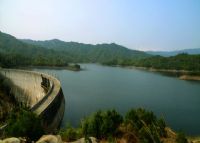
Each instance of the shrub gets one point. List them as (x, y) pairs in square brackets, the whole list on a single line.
[(102, 124), (181, 138), (70, 134), (146, 125), (138, 116), (139, 125), (111, 121), (24, 124)]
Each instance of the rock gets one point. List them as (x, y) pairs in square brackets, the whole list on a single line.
[(196, 141), (82, 140), (50, 139), (11, 140)]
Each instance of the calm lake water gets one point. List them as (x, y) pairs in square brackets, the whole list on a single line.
[(101, 87)]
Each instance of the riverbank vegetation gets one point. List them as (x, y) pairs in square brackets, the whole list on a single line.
[(20, 61), (179, 62), (179, 65), (138, 125)]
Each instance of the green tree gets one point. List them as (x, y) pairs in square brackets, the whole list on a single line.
[(110, 123), (24, 124), (102, 124)]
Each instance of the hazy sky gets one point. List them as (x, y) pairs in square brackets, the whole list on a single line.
[(136, 24)]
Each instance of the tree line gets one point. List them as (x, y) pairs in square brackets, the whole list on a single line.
[(178, 62)]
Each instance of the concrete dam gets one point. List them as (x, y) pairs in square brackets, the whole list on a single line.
[(41, 92)]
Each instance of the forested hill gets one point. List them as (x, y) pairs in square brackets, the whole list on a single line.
[(91, 53), (14, 52)]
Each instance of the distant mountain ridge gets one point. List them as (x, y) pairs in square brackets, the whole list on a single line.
[(89, 52), (74, 47), (55, 52), (15, 52), (173, 53)]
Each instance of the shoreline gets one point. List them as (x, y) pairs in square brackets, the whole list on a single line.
[(180, 74), (71, 68)]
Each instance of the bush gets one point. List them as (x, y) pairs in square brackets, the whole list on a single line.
[(102, 124), (70, 133), (111, 121), (24, 124), (139, 125), (181, 138), (146, 125), (138, 116)]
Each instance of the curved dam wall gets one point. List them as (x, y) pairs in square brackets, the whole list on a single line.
[(46, 100)]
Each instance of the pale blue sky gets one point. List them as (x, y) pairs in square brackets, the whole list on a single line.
[(136, 24)]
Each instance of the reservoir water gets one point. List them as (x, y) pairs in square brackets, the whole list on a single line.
[(102, 87)]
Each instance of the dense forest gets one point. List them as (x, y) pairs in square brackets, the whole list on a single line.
[(178, 62), (90, 53), (14, 52)]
